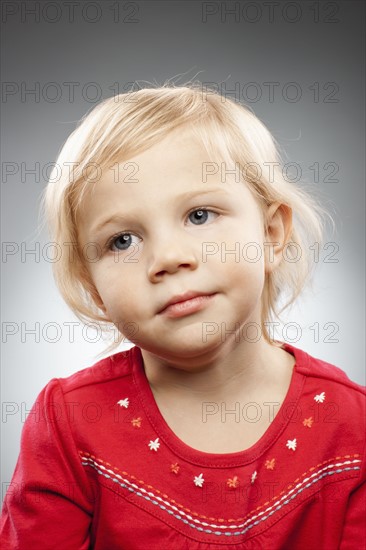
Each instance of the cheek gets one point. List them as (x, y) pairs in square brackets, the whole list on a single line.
[(122, 299), (245, 281), (105, 281), (248, 275), (113, 302), (239, 243), (241, 261)]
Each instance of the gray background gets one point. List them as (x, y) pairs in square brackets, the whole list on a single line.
[(98, 52)]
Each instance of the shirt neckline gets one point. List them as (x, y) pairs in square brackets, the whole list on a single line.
[(220, 460)]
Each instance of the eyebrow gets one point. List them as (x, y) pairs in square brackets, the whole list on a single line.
[(184, 196)]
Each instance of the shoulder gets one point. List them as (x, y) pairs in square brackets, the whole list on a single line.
[(96, 378), (319, 373), (331, 400), (330, 411)]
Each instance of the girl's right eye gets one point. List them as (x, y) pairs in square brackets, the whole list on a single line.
[(122, 242)]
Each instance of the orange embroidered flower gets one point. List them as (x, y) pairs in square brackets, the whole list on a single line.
[(270, 464), (136, 422), (308, 421), (174, 468), (233, 483)]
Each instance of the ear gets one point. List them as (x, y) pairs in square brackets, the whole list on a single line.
[(277, 233)]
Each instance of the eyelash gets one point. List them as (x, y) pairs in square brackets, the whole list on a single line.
[(114, 238)]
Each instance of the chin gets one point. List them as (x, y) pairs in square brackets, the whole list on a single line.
[(189, 354)]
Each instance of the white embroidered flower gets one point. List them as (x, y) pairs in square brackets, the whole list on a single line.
[(291, 444), (254, 476), (154, 445), (123, 402), (320, 398), (198, 480)]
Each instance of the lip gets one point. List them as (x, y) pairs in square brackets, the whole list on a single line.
[(192, 300)]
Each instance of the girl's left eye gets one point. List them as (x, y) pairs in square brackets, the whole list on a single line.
[(200, 216)]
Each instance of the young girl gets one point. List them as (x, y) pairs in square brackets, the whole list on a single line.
[(178, 228)]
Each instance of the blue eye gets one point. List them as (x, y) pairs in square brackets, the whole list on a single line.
[(200, 216), (122, 242)]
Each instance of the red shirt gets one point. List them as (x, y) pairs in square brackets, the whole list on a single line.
[(99, 468)]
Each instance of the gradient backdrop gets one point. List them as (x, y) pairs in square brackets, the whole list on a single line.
[(300, 66)]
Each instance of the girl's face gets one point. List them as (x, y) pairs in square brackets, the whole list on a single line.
[(164, 231)]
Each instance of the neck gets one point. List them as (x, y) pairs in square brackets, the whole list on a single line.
[(249, 369)]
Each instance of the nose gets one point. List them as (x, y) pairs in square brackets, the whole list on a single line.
[(171, 255)]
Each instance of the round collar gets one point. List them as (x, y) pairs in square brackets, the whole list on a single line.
[(219, 460)]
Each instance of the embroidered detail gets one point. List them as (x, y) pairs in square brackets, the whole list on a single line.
[(198, 480), (154, 445), (308, 422), (136, 422), (253, 477), (174, 468), (291, 444), (270, 464), (191, 518), (123, 402), (320, 398), (233, 482), (260, 514)]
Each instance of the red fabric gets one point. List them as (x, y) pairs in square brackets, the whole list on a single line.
[(86, 477)]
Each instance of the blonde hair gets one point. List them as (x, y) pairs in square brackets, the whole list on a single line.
[(123, 126)]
